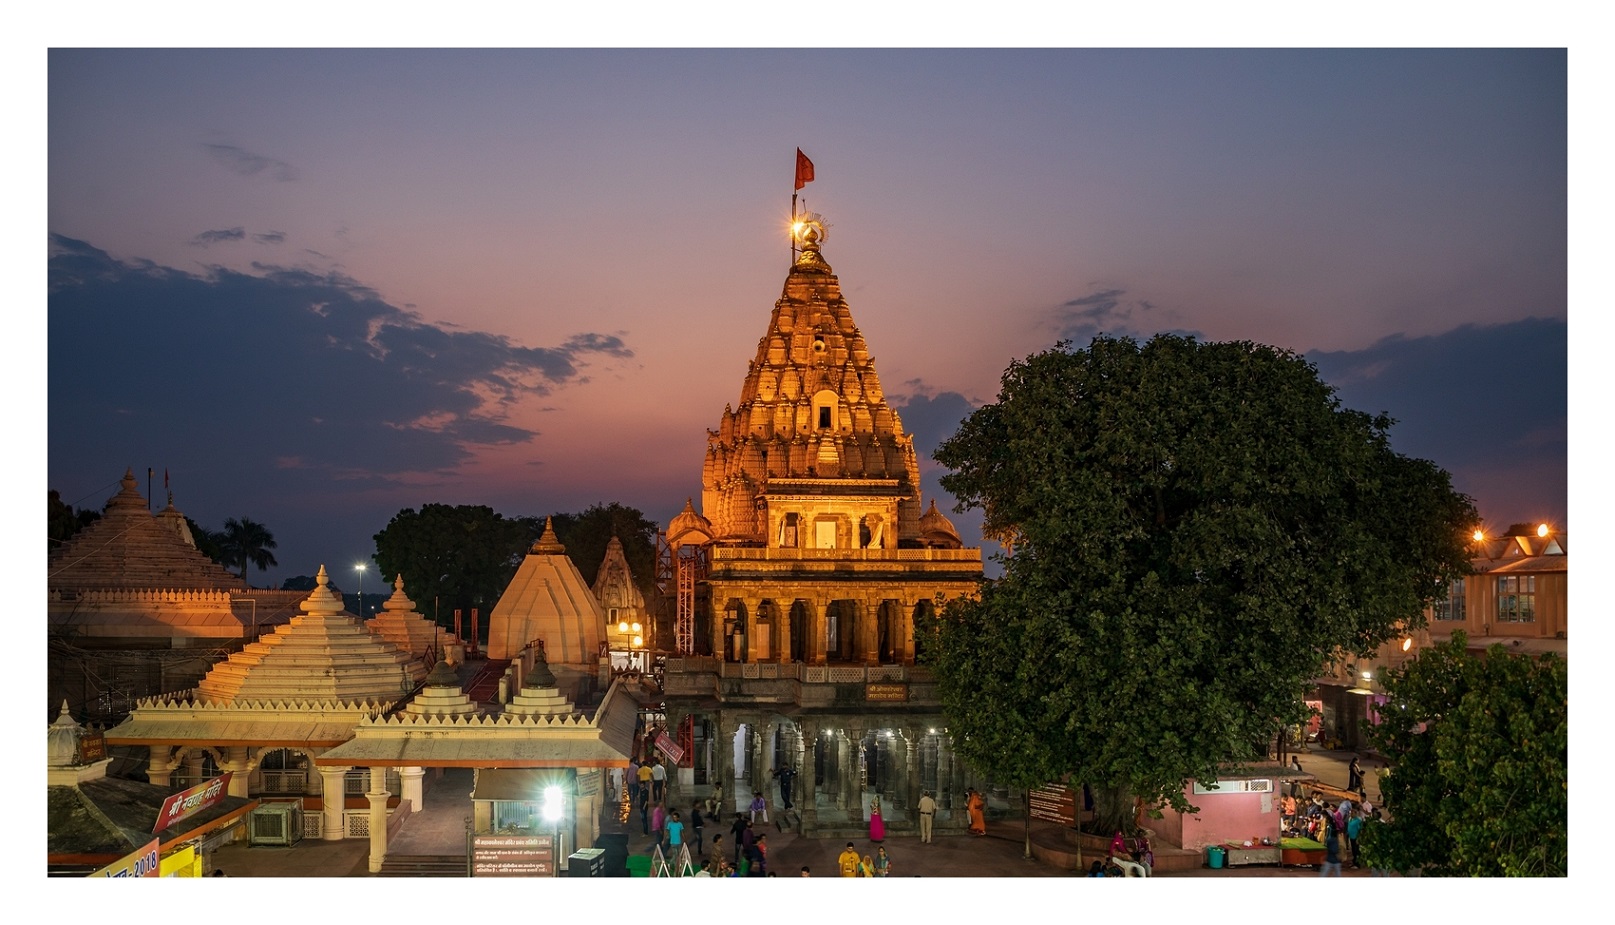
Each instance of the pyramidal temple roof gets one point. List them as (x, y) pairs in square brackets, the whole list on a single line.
[(324, 654), (548, 599), (811, 406), (130, 547)]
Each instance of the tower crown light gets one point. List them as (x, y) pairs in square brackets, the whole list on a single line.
[(1542, 530)]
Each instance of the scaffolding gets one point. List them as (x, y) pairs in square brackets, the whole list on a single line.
[(678, 572)]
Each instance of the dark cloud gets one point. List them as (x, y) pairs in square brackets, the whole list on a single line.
[(1108, 311), (932, 417), (219, 237), (287, 378), (248, 164), (270, 237), (1488, 403)]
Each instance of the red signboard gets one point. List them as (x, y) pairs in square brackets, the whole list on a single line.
[(92, 747), (512, 856), (669, 748), (191, 801)]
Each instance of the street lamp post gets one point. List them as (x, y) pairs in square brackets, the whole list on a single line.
[(361, 569)]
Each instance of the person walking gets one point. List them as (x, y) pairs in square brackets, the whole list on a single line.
[(760, 856), (675, 833), (866, 866), (658, 823), (1331, 849), (927, 811), (631, 781), (644, 776), (1354, 775), (658, 779), (847, 861), (737, 829), (976, 806), (696, 827), (883, 862), (1354, 828)]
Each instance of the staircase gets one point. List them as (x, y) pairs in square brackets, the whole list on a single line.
[(484, 685), (423, 865)]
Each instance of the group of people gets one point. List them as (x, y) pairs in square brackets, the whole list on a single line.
[(1329, 825), (851, 864)]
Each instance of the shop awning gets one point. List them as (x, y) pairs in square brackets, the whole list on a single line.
[(518, 784)]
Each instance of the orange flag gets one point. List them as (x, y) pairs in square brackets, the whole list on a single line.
[(804, 169)]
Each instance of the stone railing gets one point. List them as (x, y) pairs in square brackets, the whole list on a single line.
[(872, 555), (796, 671)]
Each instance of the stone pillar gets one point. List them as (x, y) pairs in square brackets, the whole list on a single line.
[(333, 798), (377, 795), (728, 727), (159, 765), (869, 631), (240, 770), (818, 629), (409, 780), (911, 769), (588, 821), (806, 765), (905, 632)]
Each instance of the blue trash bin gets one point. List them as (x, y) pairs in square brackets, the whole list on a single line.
[(1215, 855)]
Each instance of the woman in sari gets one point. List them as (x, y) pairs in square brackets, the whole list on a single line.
[(977, 808), (877, 825)]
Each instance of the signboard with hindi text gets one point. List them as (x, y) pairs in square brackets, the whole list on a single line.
[(886, 693), (1054, 803), (193, 800), (512, 856)]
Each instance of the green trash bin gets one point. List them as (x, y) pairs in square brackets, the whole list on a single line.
[(1215, 854)]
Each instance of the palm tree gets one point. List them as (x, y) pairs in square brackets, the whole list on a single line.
[(245, 541)]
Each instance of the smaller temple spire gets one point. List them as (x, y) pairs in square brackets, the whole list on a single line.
[(549, 543)]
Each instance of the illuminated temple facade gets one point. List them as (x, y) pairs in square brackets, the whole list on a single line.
[(803, 576)]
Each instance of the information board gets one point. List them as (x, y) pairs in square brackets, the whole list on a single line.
[(512, 856), (1055, 803)]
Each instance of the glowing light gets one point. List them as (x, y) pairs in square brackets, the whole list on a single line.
[(1407, 643), (622, 626), (1542, 530), (1368, 675), (636, 627), (638, 641), (1479, 535), (552, 803)]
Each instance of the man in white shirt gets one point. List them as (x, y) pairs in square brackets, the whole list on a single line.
[(658, 780)]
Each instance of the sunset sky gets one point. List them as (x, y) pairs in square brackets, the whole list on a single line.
[(316, 287)]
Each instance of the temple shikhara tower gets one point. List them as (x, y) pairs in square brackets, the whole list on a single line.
[(803, 574)]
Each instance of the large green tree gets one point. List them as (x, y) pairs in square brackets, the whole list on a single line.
[(1195, 529), (246, 542), (1477, 748), (453, 557), (587, 534)]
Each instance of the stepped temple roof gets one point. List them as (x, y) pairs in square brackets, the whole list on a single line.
[(129, 548), (812, 415)]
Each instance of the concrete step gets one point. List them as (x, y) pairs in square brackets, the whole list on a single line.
[(423, 865)]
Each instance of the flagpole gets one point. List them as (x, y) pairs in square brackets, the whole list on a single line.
[(793, 228)]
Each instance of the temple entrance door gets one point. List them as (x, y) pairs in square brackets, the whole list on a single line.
[(842, 642)]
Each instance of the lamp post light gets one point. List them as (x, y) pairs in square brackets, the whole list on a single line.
[(552, 814), (360, 568)]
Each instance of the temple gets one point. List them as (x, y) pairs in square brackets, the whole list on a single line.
[(800, 582)]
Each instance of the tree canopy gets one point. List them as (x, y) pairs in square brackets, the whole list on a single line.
[(65, 522), (1478, 751), (1194, 530), (464, 556), (456, 557)]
